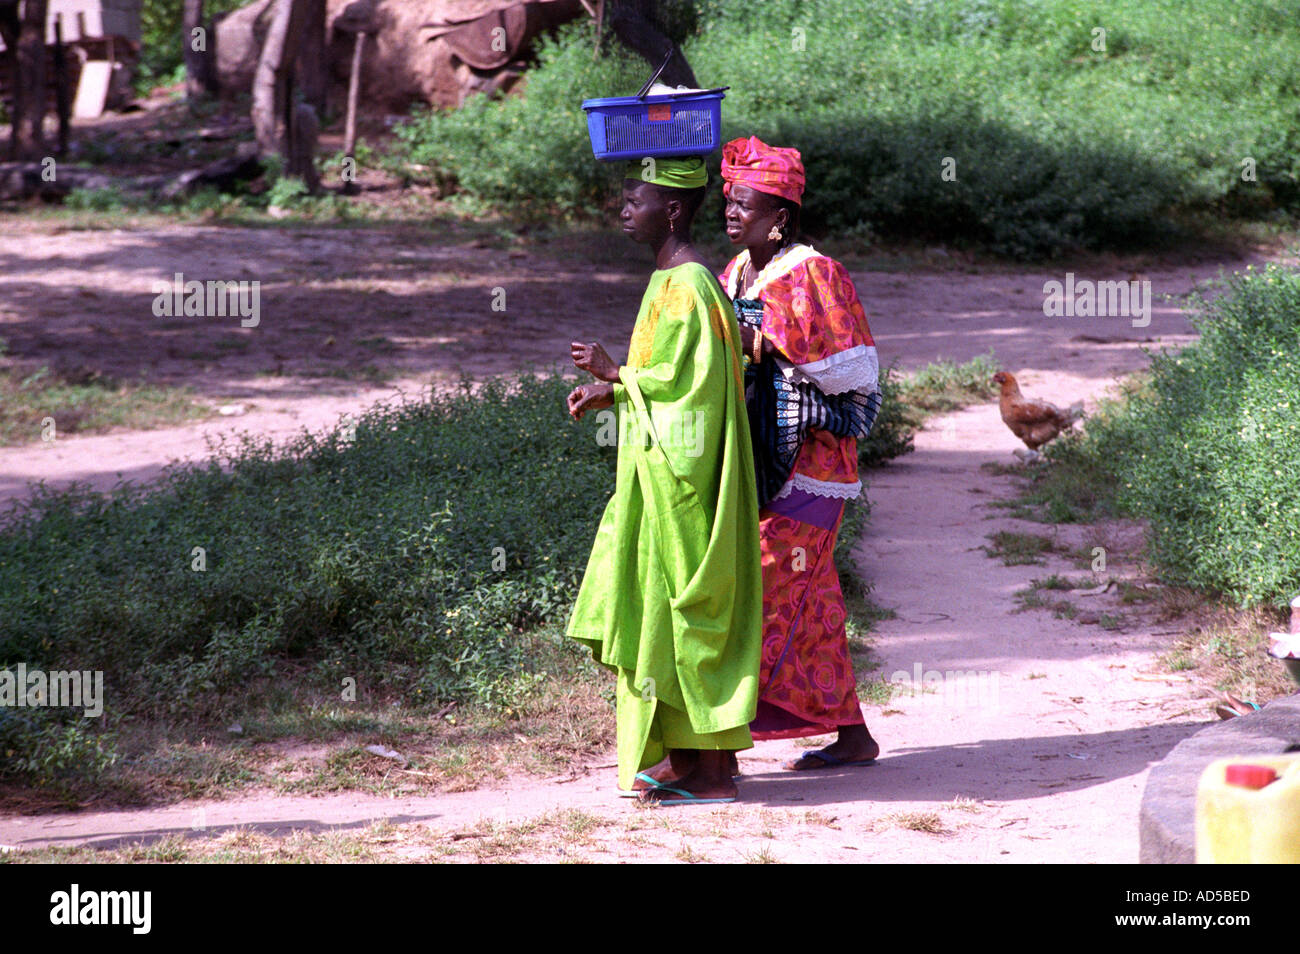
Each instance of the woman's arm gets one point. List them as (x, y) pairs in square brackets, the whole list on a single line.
[(815, 320)]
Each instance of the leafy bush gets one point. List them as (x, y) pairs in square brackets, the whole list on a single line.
[(1054, 144), (418, 556), (162, 41), (1215, 469), (1207, 451), (527, 154), (52, 749), (412, 558)]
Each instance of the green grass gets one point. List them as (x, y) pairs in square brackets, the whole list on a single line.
[(1019, 549), (1054, 582), (39, 405), (1032, 598), (1131, 594), (943, 386), (878, 691), (219, 591)]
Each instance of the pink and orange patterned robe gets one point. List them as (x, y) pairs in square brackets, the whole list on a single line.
[(812, 315)]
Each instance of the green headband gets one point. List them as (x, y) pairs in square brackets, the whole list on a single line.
[(687, 172)]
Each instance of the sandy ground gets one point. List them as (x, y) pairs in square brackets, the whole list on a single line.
[(1039, 752)]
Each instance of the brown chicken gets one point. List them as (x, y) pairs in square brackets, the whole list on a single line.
[(1034, 422)]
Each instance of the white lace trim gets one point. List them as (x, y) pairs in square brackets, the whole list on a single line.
[(781, 264), (855, 369), (820, 488)]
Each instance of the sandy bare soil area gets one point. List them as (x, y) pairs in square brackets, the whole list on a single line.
[(1034, 747)]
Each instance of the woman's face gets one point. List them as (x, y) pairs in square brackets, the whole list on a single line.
[(751, 214), (645, 214)]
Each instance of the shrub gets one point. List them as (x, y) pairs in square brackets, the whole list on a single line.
[(1055, 145), (1215, 463), (413, 558), (892, 434), (1207, 451), (420, 557)]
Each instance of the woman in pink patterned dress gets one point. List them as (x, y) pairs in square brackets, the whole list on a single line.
[(815, 341)]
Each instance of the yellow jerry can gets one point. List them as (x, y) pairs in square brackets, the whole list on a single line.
[(1248, 811)]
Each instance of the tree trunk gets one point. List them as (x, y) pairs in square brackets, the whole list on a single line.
[(300, 146), (27, 139), (313, 72), (274, 67), (200, 54), (10, 28)]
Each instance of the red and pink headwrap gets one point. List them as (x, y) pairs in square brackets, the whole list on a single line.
[(771, 169)]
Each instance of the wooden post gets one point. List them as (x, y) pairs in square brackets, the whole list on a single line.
[(354, 90), (350, 186)]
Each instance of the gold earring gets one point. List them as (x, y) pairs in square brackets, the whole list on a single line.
[(774, 235)]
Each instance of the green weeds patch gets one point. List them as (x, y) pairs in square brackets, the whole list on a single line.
[(41, 403), (1019, 549), (422, 558), (412, 559)]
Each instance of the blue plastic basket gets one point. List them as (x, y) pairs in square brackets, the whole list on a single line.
[(678, 124)]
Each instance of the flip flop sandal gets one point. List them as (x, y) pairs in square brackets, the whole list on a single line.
[(688, 798), (636, 792), (829, 761), (1231, 711)]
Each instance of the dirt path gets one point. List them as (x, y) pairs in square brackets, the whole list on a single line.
[(335, 307), (421, 307), (1039, 753)]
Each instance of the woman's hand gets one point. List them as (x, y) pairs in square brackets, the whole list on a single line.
[(590, 397), (592, 357), (747, 333)]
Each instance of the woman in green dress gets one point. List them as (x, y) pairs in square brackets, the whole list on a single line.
[(672, 597)]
